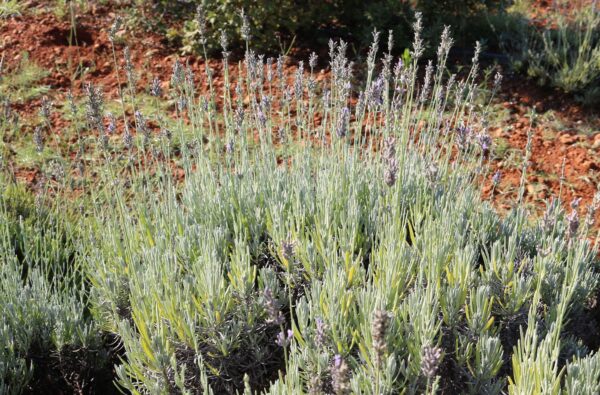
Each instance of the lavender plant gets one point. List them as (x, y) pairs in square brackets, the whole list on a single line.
[(48, 339), (564, 53), (328, 236)]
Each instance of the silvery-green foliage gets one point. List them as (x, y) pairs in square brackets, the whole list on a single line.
[(583, 375), (269, 269), (350, 254), (564, 53), (42, 300)]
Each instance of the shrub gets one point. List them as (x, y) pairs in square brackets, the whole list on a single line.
[(328, 237), (9, 8), (469, 19), (49, 340), (272, 23), (322, 246), (563, 52), (276, 25)]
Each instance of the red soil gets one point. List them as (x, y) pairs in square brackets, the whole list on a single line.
[(553, 149)]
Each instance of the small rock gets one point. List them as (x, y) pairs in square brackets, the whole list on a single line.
[(530, 189), (539, 106), (567, 139), (542, 194), (586, 165)]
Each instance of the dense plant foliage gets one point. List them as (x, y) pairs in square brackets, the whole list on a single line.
[(276, 25), (328, 237), (48, 338), (563, 53)]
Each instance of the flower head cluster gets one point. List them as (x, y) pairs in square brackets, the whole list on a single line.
[(201, 20), (128, 139), (592, 208), (72, 105), (245, 25), (430, 361), (573, 219), (115, 28), (379, 327), (312, 60), (274, 316), (485, 142), (288, 249), (155, 88), (112, 123), (38, 139), (142, 125), (343, 121), (375, 93), (320, 335), (284, 339), (46, 109), (390, 174), (94, 106), (463, 136), (230, 147), (340, 376), (432, 173), (177, 75), (496, 178), (129, 69)]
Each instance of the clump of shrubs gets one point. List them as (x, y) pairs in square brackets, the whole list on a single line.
[(562, 51), (49, 341), (329, 236), (278, 25)]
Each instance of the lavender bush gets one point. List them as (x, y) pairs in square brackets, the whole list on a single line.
[(328, 237)]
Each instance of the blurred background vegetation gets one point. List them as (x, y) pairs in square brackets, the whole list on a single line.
[(558, 49), (276, 24)]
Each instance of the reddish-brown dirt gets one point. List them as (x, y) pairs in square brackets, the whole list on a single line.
[(565, 155), (50, 44), (542, 11), (554, 150)]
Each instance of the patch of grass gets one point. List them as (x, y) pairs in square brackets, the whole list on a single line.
[(563, 53), (22, 84), (501, 147), (10, 8), (513, 158)]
